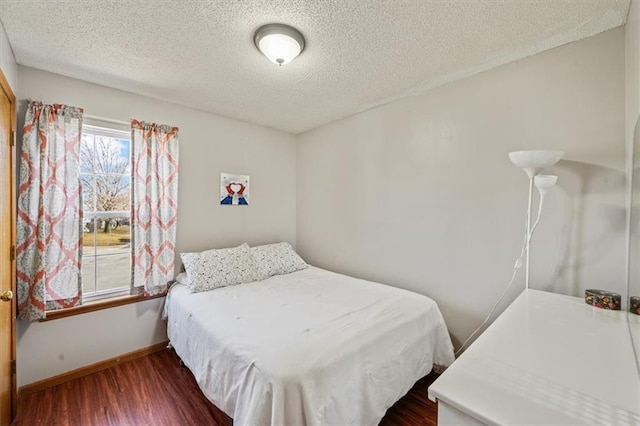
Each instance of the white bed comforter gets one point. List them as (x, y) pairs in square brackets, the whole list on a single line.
[(312, 347)]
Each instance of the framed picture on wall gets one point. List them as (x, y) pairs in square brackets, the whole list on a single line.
[(234, 189)]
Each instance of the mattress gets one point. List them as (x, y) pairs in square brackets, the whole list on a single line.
[(308, 348)]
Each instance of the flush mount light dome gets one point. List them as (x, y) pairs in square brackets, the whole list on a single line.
[(280, 43)]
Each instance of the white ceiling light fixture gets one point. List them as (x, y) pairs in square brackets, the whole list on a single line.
[(280, 43)]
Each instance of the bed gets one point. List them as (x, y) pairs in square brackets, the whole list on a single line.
[(307, 348)]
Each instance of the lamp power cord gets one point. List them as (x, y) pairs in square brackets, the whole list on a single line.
[(516, 268)]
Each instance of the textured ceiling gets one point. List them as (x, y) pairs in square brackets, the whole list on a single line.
[(359, 54)]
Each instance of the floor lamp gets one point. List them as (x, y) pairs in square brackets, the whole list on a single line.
[(533, 162)]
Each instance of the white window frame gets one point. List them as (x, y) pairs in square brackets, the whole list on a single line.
[(93, 215)]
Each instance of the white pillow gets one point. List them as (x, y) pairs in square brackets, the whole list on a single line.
[(211, 269), (182, 278), (277, 259)]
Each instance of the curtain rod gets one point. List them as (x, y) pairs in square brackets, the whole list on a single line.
[(108, 120)]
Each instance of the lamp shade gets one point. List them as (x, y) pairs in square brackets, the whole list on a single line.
[(534, 161), (544, 183), (279, 43)]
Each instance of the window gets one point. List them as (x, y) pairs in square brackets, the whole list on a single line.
[(105, 175)]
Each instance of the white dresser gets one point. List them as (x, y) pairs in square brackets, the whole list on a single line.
[(548, 359)]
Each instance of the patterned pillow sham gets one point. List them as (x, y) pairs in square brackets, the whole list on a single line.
[(212, 269), (277, 259)]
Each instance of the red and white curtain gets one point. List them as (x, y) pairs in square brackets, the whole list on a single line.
[(154, 210), (49, 237)]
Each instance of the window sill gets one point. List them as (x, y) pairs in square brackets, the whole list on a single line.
[(98, 305)]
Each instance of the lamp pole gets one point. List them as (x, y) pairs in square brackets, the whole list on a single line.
[(528, 231)]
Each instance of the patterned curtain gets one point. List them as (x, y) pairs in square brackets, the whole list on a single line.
[(49, 237), (154, 197)]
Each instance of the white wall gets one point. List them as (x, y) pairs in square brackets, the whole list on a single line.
[(209, 145), (50, 348), (7, 60), (420, 193)]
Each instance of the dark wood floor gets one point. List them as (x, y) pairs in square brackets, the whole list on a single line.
[(155, 390)]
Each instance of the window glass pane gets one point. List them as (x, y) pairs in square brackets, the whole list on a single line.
[(87, 153), (113, 236), (125, 152), (88, 198), (111, 156), (114, 270), (88, 238), (113, 254), (88, 274), (113, 193)]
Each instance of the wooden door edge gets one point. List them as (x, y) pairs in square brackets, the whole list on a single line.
[(4, 85)]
